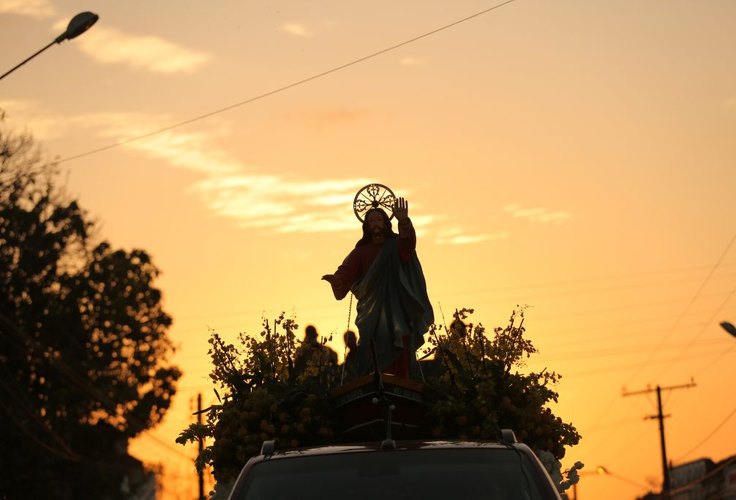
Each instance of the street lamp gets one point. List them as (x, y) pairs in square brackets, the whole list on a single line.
[(600, 470), (728, 327), (78, 25)]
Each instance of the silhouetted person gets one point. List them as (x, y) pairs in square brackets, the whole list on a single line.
[(458, 328), (350, 367), (443, 357), (384, 274), (313, 358)]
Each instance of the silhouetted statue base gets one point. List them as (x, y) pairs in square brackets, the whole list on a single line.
[(362, 407)]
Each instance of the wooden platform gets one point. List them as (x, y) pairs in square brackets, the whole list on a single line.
[(362, 407)]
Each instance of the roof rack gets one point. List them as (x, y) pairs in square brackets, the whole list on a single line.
[(508, 436), (268, 447)]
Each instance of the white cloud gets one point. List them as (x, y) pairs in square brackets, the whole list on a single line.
[(228, 187), (38, 9), (297, 29), (456, 236), (149, 53), (40, 124), (186, 150), (538, 214), (287, 205), (237, 191), (282, 203)]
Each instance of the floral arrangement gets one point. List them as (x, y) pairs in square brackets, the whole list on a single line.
[(472, 389)]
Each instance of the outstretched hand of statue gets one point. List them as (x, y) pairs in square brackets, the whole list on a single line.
[(333, 280), (401, 209)]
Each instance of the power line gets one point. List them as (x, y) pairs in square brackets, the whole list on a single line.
[(651, 355), (706, 438), (621, 368), (687, 307), (74, 378), (613, 401), (147, 433), (311, 309), (625, 444), (61, 450), (605, 352), (289, 86), (711, 321), (530, 286), (714, 360), (660, 418), (721, 353)]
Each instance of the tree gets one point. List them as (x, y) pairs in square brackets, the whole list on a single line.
[(84, 347), (473, 388)]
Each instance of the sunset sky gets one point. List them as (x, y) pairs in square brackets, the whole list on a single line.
[(575, 156)]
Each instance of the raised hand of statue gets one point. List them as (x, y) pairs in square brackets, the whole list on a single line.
[(401, 209)]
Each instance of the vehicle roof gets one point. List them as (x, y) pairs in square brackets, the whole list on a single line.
[(400, 445), (548, 490)]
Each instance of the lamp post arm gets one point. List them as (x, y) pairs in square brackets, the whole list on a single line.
[(728, 327), (78, 25), (25, 61)]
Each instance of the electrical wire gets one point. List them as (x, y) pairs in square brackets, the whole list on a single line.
[(687, 307), (714, 361), (615, 398), (77, 380), (61, 450), (710, 435), (711, 321), (286, 87), (531, 286), (311, 310)]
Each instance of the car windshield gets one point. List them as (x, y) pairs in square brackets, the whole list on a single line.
[(408, 475)]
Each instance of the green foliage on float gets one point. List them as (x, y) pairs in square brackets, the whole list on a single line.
[(473, 387)]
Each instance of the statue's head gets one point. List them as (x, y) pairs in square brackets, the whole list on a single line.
[(376, 221)]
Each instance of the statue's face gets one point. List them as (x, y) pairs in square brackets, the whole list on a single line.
[(376, 224)]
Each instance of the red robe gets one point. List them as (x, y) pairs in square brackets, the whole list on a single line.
[(357, 263)]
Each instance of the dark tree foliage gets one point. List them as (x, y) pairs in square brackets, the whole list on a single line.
[(84, 351), (473, 388)]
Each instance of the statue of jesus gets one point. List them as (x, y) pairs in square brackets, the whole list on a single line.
[(384, 274)]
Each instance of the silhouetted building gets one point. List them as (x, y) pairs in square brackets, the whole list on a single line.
[(701, 479)]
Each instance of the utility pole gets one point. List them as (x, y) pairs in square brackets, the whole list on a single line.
[(200, 473), (659, 416)]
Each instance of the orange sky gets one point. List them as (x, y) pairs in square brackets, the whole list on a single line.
[(574, 156)]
